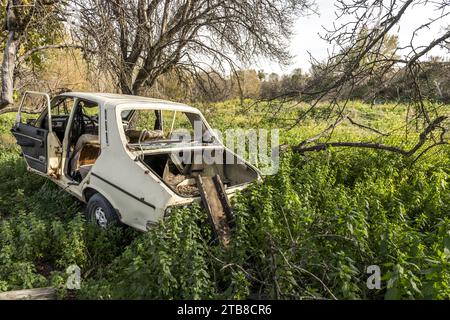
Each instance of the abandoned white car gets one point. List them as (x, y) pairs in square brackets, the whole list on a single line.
[(129, 158)]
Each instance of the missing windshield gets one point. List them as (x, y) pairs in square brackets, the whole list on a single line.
[(151, 128)]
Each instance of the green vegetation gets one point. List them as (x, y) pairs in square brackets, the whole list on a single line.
[(308, 232)]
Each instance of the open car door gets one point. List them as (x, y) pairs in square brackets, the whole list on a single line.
[(31, 136)]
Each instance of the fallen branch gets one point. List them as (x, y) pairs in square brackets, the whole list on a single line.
[(371, 145), (302, 270), (428, 149), (30, 294), (334, 125), (8, 110), (15, 109)]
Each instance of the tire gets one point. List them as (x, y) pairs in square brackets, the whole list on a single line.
[(100, 212)]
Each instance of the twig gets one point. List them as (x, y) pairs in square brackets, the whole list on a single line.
[(309, 273), (365, 127)]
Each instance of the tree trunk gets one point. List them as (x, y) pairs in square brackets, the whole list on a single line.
[(8, 66), (125, 82)]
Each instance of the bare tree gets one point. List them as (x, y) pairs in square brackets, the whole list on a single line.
[(137, 41), (359, 36), (361, 54)]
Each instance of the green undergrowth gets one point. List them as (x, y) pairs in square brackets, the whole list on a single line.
[(308, 232)]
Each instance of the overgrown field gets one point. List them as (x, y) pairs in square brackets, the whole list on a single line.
[(308, 232)]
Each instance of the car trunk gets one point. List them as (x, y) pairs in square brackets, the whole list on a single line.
[(180, 177)]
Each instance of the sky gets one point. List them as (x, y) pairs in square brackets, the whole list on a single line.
[(307, 39)]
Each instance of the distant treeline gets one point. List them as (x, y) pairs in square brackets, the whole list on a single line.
[(434, 78)]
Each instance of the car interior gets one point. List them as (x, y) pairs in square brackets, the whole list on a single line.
[(84, 145), (179, 170)]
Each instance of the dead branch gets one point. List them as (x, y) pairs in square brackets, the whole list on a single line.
[(302, 270), (379, 146), (331, 127), (365, 127), (370, 145), (48, 293), (16, 109), (9, 110)]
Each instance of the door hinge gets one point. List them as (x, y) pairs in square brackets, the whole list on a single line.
[(58, 150)]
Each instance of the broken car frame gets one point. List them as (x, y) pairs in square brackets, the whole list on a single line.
[(95, 151)]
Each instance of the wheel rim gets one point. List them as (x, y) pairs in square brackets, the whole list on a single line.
[(100, 217)]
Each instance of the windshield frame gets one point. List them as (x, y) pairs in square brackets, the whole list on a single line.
[(165, 144)]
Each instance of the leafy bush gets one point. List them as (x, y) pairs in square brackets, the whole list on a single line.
[(309, 232), (42, 232), (170, 262)]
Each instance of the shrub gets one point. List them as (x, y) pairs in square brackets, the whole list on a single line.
[(308, 232)]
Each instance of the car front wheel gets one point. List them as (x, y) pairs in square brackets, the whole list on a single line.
[(100, 212)]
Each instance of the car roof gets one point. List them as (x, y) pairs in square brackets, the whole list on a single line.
[(112, 100)]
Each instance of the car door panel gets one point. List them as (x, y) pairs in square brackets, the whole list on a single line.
[(32, 137), (32, 141)]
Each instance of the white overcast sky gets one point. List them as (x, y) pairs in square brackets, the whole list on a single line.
[(307, 39)]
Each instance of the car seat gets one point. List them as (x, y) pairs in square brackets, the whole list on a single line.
[(86, 152)]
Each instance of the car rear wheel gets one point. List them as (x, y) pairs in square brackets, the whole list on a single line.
[(100, 212)]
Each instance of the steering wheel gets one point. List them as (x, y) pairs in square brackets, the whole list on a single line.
[(90, 119)]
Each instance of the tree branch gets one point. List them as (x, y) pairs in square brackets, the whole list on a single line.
[(15, 109), (27, 54), (9, 110), (371, 145), (365, 127)]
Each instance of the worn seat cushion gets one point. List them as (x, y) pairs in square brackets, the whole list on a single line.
[(86, 139), (133, 135), (86, 152)]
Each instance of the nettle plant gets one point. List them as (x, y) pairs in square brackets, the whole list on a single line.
[(322, 220), (308, 232), (42, 233), (169, 262)]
